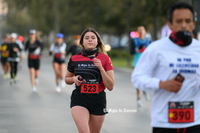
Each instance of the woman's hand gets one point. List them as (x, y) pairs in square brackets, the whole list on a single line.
[(70, 79), (15, 49), (76, 81), (107, 77), (97, 63), (63, 52)]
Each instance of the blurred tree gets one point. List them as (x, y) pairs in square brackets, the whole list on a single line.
[(17, 19), (73, 16), (150, 13)]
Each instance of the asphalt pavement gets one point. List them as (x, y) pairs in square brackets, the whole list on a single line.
[(22, 111)]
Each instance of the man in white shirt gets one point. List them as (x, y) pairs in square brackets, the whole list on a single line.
[(174, 62)]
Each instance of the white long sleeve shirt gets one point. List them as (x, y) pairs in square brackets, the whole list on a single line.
[(60, 49), (164, 60)]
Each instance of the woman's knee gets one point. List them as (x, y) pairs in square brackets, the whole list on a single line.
[(81, 118), (62, 70)]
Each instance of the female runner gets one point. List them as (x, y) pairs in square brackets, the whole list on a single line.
[(91, 70), (58, 49)]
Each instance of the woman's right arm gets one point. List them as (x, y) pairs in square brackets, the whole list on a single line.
[(51, 50), (70, 79)]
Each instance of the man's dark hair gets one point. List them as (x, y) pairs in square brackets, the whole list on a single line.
[(179, 5)]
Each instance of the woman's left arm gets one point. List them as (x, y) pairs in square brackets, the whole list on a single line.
[(64, 47), (107, 76)]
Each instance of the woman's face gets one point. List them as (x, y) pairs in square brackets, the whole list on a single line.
[(90, 41), (59, 40), (13, 40), (32, 36), (76, 42), (5, 40)]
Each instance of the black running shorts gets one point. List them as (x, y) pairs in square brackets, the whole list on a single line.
[(94, 103), (58, 61), (34, 63), (4, 60)]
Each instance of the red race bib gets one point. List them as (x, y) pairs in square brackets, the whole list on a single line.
[(5, 53), (32, 56), (58, 56), (181, 112), (90, 88)]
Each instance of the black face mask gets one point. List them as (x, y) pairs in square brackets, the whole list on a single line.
[(181, 38), (89, 52)]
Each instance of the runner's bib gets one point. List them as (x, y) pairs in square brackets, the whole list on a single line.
[(5, 54), (90, 87), (34, 57), (58, 56), (181, 112)]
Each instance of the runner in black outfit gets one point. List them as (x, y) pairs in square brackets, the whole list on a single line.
[(4, 56), (14, 53), (75, 48), (34, 48), (92, 72)]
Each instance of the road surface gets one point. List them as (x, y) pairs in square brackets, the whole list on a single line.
[(22, 111)]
